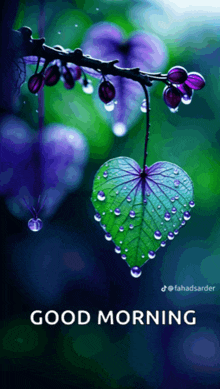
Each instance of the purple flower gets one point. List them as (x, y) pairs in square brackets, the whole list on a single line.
[(106, 41), (31, 169)]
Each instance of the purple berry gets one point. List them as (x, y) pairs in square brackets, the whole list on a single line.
[(52, 75), (36, 83), (177, 75), (106, 92), (69, 77), (172, 96), (195, 81)]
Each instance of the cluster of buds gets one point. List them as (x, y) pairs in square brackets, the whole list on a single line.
[(59, 70), (181, 87)]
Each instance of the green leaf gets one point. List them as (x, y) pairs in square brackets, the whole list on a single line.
[(140, 211)]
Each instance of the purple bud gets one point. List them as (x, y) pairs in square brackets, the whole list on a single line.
[(185, 90), (106, 92), (177, 75), (36, 83), (195, 81), (172, 96), (52, 75), (69, 77), (78, 73)]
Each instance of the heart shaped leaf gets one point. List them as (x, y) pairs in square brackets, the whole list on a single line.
[(140, 210)]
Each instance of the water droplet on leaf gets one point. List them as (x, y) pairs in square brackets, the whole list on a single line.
[(117, 212), (101, 195), (123, 256), (191, 204), (132, 214), (108, 236), (167, 216), (157, 235), (105, 174), (163, 244), (121, 229)]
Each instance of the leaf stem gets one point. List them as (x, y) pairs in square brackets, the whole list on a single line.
[(147, 125)]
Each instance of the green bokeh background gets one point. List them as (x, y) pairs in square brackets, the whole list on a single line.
[(190, 138)]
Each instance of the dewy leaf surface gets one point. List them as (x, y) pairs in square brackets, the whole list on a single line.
[(140, 213)]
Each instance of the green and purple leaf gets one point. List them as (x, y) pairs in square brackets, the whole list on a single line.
[(140, 211)]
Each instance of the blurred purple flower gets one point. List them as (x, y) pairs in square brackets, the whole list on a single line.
[(106, 42), (30, 169)]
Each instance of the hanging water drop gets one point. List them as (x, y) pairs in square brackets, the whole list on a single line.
[(97, 217), (121, 229), (173, 110), (88, 88), (110, 106), (35, 224), (163, 244), (118, 250), (117, 212), (186, 215), (123, 256), (105, 174), (101, 195), (157, 235), (191, 204), (136, 271), (144, 106), (151, 254), (167, 216), (132, 214), (108, 236), (170, 236)]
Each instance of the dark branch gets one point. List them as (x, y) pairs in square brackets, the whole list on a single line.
[(36, 47)]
